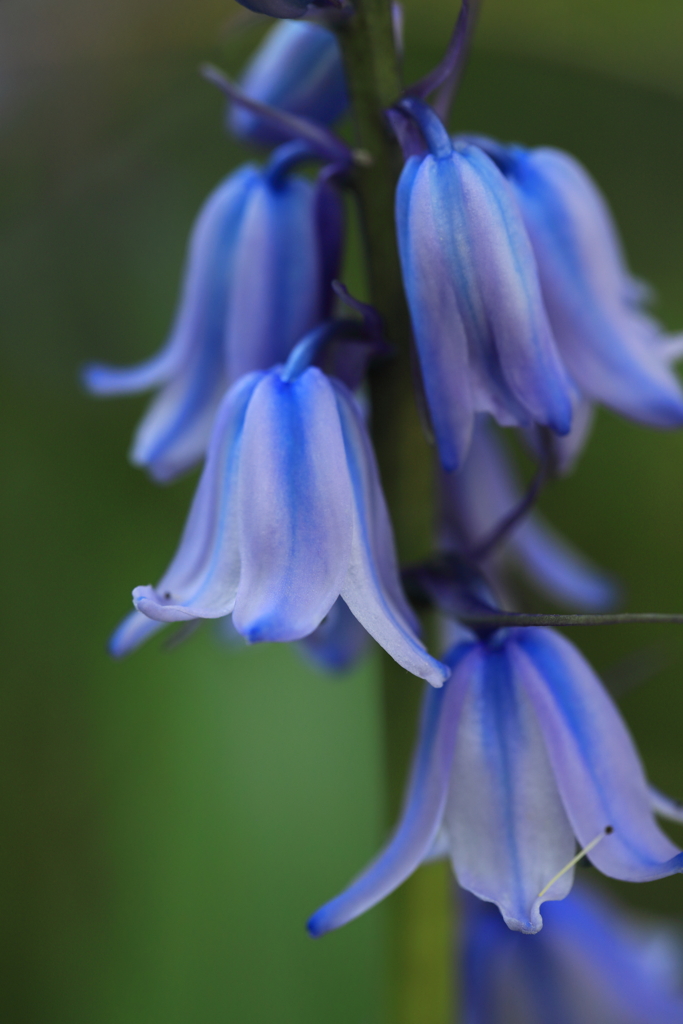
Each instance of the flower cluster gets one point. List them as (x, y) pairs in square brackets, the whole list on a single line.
[(524, 315)]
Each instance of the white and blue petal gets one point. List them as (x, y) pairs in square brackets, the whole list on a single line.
[(276, 292), (294, 508), (130, 634), (297, 68), (372, 587), (610, 347), (422, 813), (190, 369), (508, 830), (598, 771), (202, 580)]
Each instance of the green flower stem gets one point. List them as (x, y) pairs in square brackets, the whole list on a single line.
[(420, 962)]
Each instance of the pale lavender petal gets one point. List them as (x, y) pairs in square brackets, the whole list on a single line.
[(276, 293), (421, 816), (372, 588), (174, 432), (511, 295), (508, 831), (423, 207), (665, 806), (598, 771), (202, 579), (201, 310), (130, 634), (294, 509), (610, 348), (559, 570)]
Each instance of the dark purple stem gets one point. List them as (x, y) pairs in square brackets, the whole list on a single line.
[(322, 142), (446, 76)]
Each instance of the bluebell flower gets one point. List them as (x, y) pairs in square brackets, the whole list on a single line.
[(244, 303), (591, 964), (297, 68), (478, 498), (289, 516), (520, 754), (613, 350), (480, 325)]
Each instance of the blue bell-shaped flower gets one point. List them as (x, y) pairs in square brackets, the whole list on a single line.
[(520, 754), (591, 964), (614, 351), (261, 258), (480, 326), (478, 498), (289, 516), (297, 68)]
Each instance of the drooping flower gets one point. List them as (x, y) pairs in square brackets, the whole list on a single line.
[(336, 645), (591, 964), (478, 498), (480, 326), (288, 516), (297, 68), (614, 351), (521, 754), (245, 302)]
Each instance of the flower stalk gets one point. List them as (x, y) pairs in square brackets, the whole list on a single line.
[(420, 962)]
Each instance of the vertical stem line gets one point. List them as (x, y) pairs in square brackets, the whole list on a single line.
[(419, 978)]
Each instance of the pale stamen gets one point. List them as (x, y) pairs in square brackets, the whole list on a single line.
[(575, 860)]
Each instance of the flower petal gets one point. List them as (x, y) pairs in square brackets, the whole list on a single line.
[(610, 348), (665, 806), (421, 816), (424, 205), (201, 311), (297, 68), (595, 762), (201, 581), (372, 588), (295, 508), (130, 634), (276, 292), (511, 294), (509, 833)]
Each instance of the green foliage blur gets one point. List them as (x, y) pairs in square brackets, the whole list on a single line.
[(169, 822)]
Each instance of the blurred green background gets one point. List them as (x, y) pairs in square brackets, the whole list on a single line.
[(170, 821)]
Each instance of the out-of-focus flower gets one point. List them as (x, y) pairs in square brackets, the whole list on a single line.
[(245, 302), (480, 326), (287, 8), (339, 642), (591, 964), (288, 516), (520, 754), (478, 498), (297, 68), (614, 352)]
